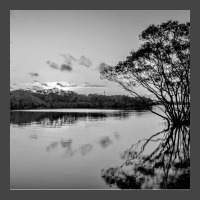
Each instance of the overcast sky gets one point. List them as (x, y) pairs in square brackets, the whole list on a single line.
[(67, 49)]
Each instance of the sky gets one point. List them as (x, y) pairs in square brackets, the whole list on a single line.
[(66, 49)]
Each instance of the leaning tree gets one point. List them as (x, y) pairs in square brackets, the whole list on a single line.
[(162, 66)]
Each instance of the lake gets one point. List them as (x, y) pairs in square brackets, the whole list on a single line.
[(68, 148)]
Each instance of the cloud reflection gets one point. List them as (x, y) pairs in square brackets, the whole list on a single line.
[(33, 136), (85, 149), (52, 146), (105, 141), (69, 149)]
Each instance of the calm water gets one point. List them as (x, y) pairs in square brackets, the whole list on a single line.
[(68, 148)]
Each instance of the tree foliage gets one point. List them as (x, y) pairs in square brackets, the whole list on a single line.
[(54, 98), (162, 66)]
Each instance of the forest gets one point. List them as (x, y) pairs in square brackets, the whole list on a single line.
[(54, 98)]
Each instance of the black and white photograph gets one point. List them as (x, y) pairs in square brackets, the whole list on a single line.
[(99, 99)]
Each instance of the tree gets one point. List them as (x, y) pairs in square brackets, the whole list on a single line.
[(53, 98), (162, 66)]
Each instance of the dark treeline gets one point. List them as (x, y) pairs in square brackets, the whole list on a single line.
[(54, 98)]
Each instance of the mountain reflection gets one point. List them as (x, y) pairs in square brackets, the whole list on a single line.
[(166, 167), (59, 119)]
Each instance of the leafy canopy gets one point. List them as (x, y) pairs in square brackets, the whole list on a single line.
[(162, 66)]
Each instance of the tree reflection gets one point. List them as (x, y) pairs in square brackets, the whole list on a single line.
[(59, 119), (166, 167)]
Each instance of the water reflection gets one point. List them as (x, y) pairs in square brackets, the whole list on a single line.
[(89, 141), (105, 141), (52, 146), (116, 135), (69, 150), (66, 143), (83, 149), (59, 119), (33, 136), (166, 167)]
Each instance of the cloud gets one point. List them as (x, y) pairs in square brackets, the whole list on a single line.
[(64, 84), (36, 85), (85, 61), (97, 85), (73, 85), (102, 66), (52, 64), (44, 84), (68, 62), (13, 83), (37, 88), (84, 85), (88, 85), (61, 85), (68, 57), (33, 74), (65, 67)]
